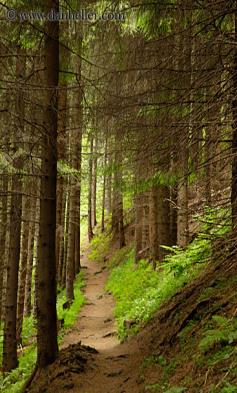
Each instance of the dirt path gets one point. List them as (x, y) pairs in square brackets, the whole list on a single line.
[(116, 366)]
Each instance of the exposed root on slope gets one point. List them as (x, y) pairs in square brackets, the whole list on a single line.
[(166, 335), (73, 359)]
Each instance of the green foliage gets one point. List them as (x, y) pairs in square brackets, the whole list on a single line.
[(175, 389), (182, 261), (70, 315), (215, 222), (155, 387), (28, 330), (224, 333), (153, 359), (119, 257), (168, 369), (229, 388), (139, 290), (152, 19), (64, 169), (13, 382), (160, 178), (100, 246), (161, 389)]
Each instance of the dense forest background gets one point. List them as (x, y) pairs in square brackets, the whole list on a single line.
[(126, 126)]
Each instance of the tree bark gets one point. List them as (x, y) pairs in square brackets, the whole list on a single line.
[(90, 230), (104, 187), (23, 265), (30, 258), (234, 136), (138, 226), (46, 266), (163, 209), (94, 183), (153, 225), (173, 216), (78, 152), (61, 260), (3, 229), (9, 341)]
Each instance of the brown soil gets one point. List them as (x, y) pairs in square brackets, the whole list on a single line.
[(114, 369)]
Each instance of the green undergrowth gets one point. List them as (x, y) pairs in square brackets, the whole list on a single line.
[(166, 369), (212, 367), (139, 290), (13, 382), (100, 247), (70, 315), (211, 337)]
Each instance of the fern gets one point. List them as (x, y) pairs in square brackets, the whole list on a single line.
[(224, 333), (175, 389)]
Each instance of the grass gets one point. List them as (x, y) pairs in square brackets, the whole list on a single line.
[(139, 290), (13, 382), (70, 315), (167, 369), (100, 247)]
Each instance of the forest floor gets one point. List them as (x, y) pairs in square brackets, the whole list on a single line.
[(113, 367), (158, 358)]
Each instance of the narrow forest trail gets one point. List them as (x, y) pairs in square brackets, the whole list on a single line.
[(116, 366)]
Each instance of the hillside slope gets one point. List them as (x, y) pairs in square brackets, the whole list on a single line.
[(189, 345)]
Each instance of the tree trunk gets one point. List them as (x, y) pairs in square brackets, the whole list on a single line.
[(94, 182), (153, 225), (104, 187), (163, 208), (23, 265), (234, 138), (62, 139), (117, 207), (70, 261), (65, 243), (61, 156), (3, 229), (90, 230), (46, 265), (62, 241), (30, 258), (108, 191), (138, 226), (78, 153), (9, 341), (173, 216)]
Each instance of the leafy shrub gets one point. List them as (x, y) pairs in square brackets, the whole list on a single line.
[(13, 382), (223, 333), (229, 388), (153, 359), (175, 389), (139, 290), (161, 389), (120, 256), (70, 315), (100, 246)]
